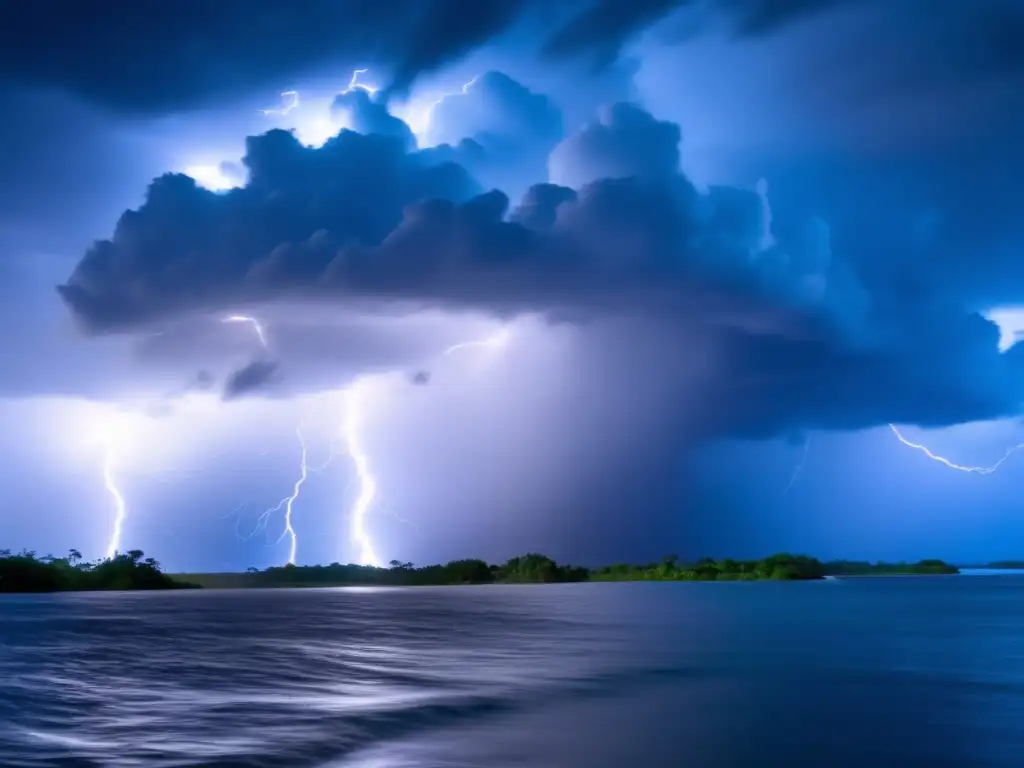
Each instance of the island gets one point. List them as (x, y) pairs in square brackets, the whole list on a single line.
[(27, 572)]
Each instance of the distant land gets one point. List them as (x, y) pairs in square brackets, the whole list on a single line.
[(539, 569), (998, 565), (28, 572)]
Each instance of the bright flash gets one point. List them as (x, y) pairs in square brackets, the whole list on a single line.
[(952, 464)]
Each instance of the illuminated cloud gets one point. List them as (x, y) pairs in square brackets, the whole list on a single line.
[(368, 221), (626, 141), (501, 131)]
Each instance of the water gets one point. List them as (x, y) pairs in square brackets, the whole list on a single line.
[(914, 671)]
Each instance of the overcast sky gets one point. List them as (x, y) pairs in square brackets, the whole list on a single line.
[(703, 256)]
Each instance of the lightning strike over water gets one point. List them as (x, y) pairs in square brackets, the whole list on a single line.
[(288, 502), (120, 509), (363, 504), (951, 464), (355, 404)]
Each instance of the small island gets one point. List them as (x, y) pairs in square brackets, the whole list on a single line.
[(27, 572)]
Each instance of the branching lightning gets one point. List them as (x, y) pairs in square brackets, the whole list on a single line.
[(951, 464), (354, 401), (288, 502)]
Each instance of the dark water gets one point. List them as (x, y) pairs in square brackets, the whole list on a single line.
[(867, 672)]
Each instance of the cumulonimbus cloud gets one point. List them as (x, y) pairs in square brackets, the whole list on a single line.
[(803, 343)]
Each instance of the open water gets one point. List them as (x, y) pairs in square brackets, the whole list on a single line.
[(863, 672)]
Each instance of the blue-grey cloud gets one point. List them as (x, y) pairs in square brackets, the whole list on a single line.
[(138, 59), (499, 130), (625, 141), (249, 379), (801, 342), (367, 114)]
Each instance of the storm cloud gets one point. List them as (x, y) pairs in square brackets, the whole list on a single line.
[(799, 340), (169, 57)]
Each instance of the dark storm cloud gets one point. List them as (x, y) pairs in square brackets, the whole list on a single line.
[(799, 341), (360, 217), (154, 57), (256, 376), (754, 17), (157, 56), (187, 247)]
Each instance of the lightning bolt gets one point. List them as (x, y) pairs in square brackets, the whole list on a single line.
[(428, 114), (289, 101), (799, 468), (288, 502), (354, 401), (366, 496), (951, 464), (354, 84), (498, 341), (257, 326), (363, 504), (120, 508)]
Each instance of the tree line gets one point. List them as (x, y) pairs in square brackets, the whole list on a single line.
[(27, 572), (538, 569)]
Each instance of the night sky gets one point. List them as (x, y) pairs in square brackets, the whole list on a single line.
[(702, 254)]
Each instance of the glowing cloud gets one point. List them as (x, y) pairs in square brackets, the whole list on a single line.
[(212, 177), (289, 101), (1011, 325)]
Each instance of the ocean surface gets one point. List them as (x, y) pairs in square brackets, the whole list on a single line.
[(861, 672)]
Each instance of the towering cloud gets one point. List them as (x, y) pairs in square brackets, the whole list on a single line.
[(799, 341)]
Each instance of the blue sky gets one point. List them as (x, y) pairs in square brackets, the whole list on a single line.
[(721, 250)]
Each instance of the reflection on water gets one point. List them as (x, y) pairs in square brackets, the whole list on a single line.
[(865, 671)]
